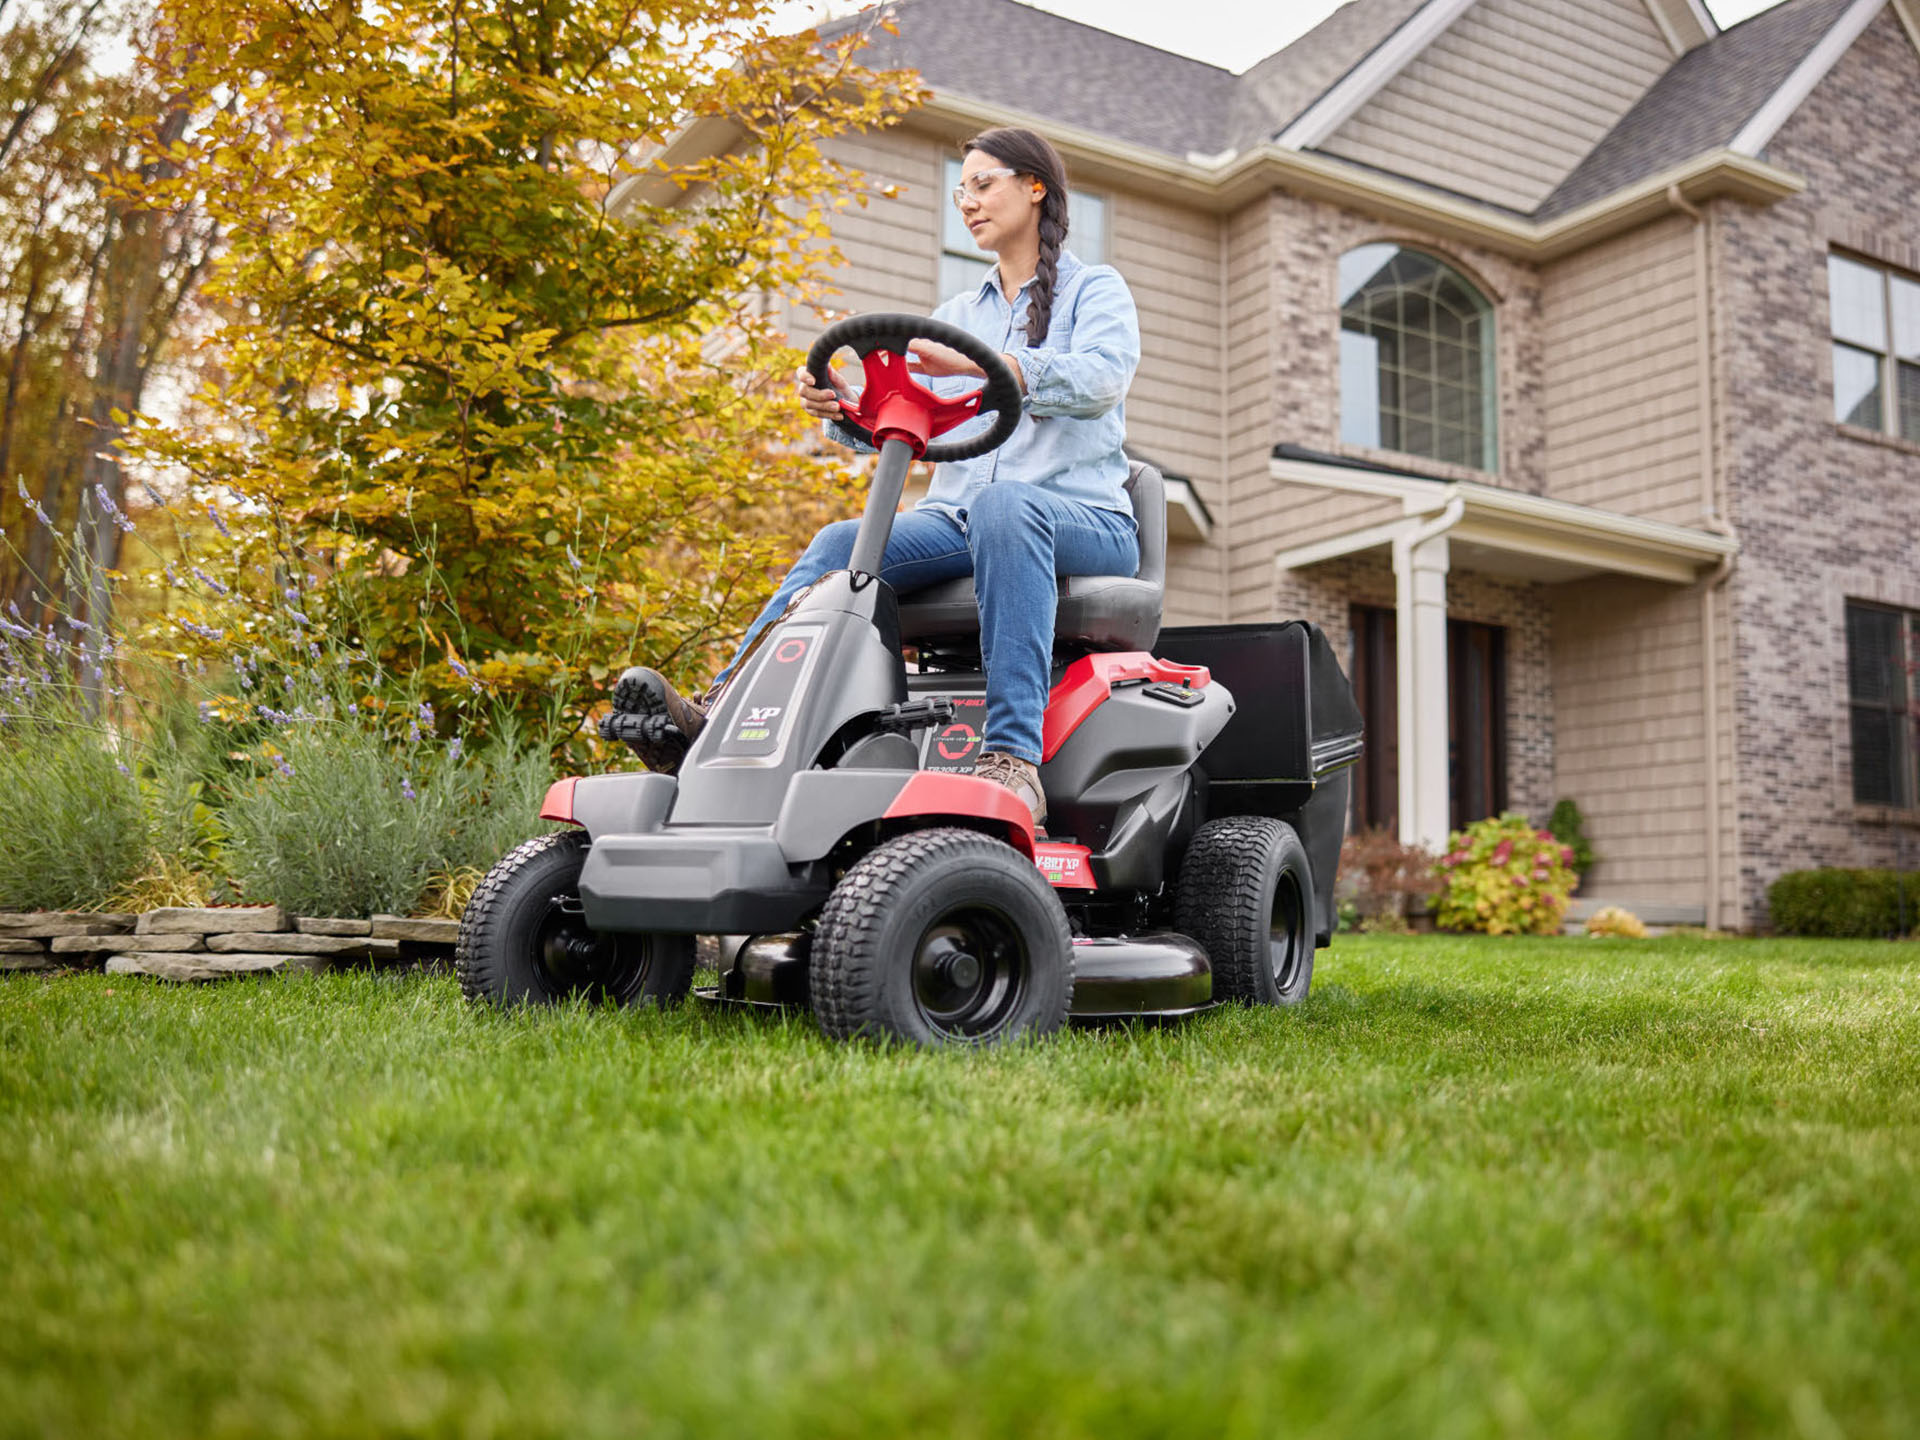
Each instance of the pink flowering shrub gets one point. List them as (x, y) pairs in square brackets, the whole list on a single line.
[(1503, 877)]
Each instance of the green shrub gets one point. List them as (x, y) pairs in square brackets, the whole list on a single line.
[(346, 822), (1846, 904), (1569, 827), (1504, 877), (75, 829)]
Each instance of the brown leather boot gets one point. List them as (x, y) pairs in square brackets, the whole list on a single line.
[(670, 721), (1022, 777)]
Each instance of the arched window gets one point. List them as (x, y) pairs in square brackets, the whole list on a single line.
[(1416, 357)]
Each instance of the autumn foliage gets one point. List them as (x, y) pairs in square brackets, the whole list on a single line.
[(498, 353)]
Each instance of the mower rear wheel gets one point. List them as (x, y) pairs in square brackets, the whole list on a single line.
[(524, 939), (1246, 894), (942, 937)]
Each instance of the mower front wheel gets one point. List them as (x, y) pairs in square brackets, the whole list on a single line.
[(942, 937), (524, 939)]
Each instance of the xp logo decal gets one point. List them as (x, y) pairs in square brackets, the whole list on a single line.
[(757, 727)]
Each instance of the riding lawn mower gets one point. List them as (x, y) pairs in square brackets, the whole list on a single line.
[(827, 827)]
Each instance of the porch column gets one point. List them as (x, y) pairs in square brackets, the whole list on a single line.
[(1420, 586)]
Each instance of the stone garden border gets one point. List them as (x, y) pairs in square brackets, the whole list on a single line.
[(215, 942)]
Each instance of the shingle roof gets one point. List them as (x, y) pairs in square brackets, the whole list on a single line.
[(1701, 103), (1009, 53), (1012, 54), (1026, 59)]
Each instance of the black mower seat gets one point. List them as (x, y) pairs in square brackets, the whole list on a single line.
[(1101, 612)]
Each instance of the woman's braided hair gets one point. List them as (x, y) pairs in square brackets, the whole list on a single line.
[(1026, 153)]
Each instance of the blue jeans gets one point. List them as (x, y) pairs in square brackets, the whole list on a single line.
[(1016, 540)]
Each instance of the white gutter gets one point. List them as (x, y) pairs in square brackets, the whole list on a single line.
[(1655, 539), (1227, 182)]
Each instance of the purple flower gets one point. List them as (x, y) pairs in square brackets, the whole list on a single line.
[(313, 649), (211, 583), (218, 523), (406, 789), (153, 495), (121, 766), (206, 712), (205, 632), (280, 764), (77, 624), (426, 713), (413, 731), (286, 683), (32, 504), (453, 748), (111, 510), (458, 668), (293, 595), (298, 617)]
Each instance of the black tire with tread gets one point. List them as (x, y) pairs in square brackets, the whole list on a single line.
[(495, 955), (879, 918), (1232, 874)]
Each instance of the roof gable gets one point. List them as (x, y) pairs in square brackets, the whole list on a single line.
[(1278, 90), (1508, 98), (1704, 101)]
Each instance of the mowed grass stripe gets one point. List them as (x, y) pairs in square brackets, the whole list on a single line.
[(1471, 1188)]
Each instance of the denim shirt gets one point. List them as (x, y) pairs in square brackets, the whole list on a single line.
[(1073, 417)]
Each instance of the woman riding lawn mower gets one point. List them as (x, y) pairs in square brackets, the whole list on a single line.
[(827, 822), (867, 840)]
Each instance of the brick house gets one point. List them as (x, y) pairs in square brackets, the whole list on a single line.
[(1561, 358)]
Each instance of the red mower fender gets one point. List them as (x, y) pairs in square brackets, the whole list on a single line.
[(935, 794)]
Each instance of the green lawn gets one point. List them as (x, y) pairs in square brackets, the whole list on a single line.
[(1552, 1188)]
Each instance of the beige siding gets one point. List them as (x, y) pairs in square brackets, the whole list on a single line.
[(1629, 736), (891, 243), (1623, 396), (1175, 412), (1510, 98), (1251, 494)]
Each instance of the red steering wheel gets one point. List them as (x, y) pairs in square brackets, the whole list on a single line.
[(895, 406)]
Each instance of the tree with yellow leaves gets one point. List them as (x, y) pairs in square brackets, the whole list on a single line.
[(488, 407)]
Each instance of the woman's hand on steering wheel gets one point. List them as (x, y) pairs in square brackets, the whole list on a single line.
[(936, 360), (822, 404)]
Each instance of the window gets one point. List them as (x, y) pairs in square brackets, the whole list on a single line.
[(1881, 655), (1876, 347), (963, 265), (1416, 358)]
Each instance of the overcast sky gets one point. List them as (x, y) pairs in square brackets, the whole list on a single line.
[(1231, 33)]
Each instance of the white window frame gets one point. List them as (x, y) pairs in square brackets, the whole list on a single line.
[(1889, 362), (1352, 367)]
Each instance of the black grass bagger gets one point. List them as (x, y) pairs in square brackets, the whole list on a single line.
[(826, 823)]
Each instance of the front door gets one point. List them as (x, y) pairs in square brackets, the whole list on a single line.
[(1477, 726)]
